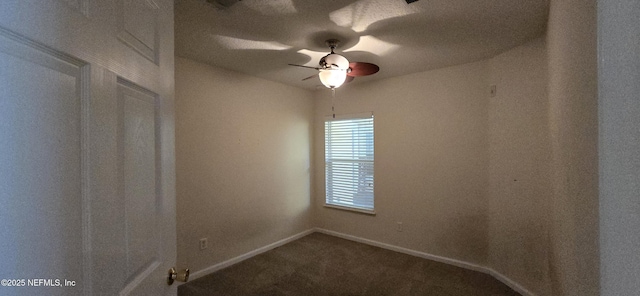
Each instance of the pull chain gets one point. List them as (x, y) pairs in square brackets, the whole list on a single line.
[(333, 97)]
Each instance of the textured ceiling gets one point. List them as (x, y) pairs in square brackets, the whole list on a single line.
[(260, 37)]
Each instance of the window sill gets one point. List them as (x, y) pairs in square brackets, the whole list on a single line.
[(356, 210)]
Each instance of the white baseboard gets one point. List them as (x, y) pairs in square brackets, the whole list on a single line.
[(232, 261), (459, 263), (441, 259)]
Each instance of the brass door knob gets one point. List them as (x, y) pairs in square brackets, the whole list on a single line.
[(181, 276)]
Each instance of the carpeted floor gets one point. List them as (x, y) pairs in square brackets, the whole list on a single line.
[(320, 264)]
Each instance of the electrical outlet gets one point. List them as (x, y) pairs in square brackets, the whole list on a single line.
[(203, 243), (399, 226)]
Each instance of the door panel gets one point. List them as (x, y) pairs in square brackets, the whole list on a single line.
[(86, 149), (141, 200), (40, 126)]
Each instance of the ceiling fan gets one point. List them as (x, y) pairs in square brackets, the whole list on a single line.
[(335, 69)]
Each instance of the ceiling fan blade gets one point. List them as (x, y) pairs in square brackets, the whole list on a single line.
[(349, 79), (312, 76), (316, 68), (362, 69)]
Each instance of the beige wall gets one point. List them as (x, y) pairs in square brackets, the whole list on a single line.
[(466, 174), (242, 162), (573, 123), (431, 161), (519, 158)]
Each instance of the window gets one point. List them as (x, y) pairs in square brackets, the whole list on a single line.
[(348, 144)]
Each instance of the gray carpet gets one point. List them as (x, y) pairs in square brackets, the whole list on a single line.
[(320, 264)]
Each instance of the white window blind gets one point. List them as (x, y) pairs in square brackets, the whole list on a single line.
[(349, 162)]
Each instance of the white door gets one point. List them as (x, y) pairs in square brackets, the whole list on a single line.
[(87, 198)]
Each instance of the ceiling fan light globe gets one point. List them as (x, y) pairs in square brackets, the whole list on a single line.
[(336, 61), (332, 78)]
